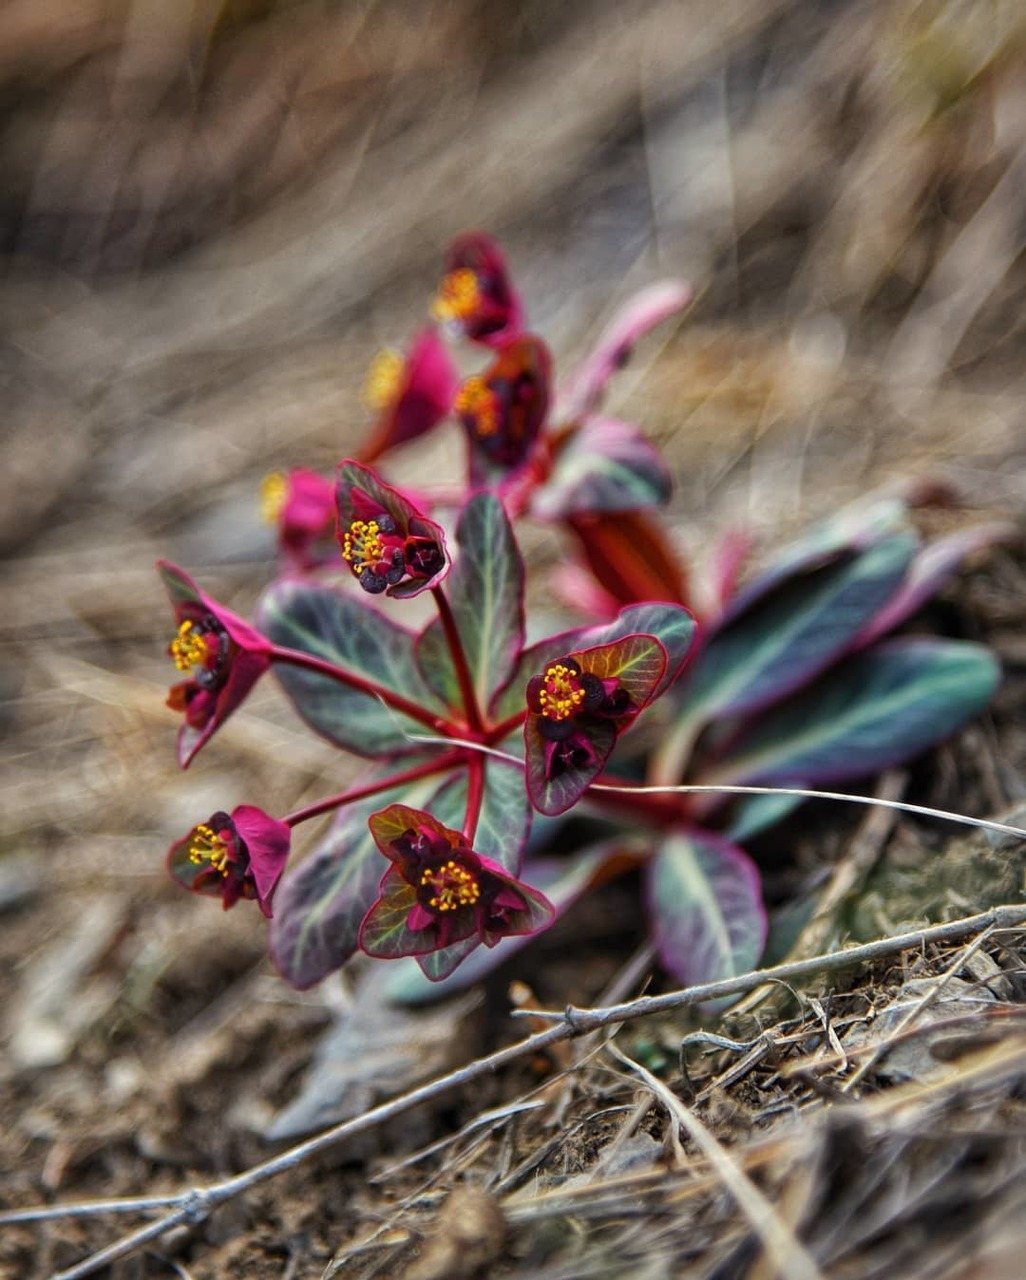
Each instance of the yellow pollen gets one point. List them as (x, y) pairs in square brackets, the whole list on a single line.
[(454, 887), (189, 648), (458, 296), (561, 694), (207, 846), (475, 400), (362, 544), (384, 376), (273, 489)]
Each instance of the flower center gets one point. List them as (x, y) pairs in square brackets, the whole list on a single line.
[(193, 647), (477, 402), (362, 545), (206, 846), (458, 295), (453, 886), (561, 692), (381, 386), (273, 490)]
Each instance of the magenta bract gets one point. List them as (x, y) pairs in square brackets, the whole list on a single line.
[(221, 653), (233, 856), (302, 505), (476, 296), (438, 891), (411, 395), (387, 542)]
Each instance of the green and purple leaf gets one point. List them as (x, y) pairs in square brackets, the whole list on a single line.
[(342, 629), (322, 900), (928, 572), (485, 591), (881, 708), (791, 634), (606, 465), (705, 904)]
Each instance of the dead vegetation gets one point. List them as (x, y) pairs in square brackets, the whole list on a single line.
[(208, 229)]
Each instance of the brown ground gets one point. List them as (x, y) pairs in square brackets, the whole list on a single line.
[(209, 228)]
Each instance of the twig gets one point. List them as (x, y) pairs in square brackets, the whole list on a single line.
[(196, 1205), (790, 1257)]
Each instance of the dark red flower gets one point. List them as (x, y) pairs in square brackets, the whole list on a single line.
[(233, 856), (221, 653), (476, 296), (439, 891), (301, 505), (575, 711), (387, 542), (411, 395), (503, 409)]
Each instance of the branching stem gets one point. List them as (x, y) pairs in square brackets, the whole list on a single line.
[(438, 765)]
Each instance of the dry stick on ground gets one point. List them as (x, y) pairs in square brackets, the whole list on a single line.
[(196, 1205), (790, 1256)]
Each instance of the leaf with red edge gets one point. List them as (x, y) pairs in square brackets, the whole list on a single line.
[(879, 709), (705, 904), (322, 900), (604, 466), (630, 555), (647, 308), (486, 595), (793, 633), (928, 572), (328, 623), (638, 663)]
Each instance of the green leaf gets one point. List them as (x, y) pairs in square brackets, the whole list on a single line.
[(344, 630), (486, 594), (879, 709), (791, 634), (320, 902), (606, 465), (671, 625), (706, 906)]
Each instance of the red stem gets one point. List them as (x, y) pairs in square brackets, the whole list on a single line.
[(296, 658), (438, 765), (475, 795), (459, 661), (505, 727)]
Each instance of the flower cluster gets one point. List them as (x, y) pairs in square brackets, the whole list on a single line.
[(790, 679)]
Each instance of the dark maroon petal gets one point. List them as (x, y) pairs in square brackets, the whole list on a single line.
[(503, 410), (267, 843)]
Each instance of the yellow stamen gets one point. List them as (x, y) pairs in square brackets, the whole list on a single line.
[(384, 378), (207, 846), (273, 489), (561, 694), (362, 545), (189, 648), (458, 296), (454, 886), (475, 400)]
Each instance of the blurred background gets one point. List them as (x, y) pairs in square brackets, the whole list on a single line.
[(213, 213)]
